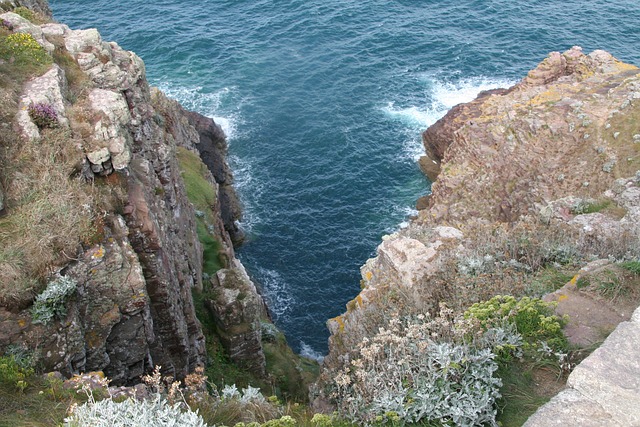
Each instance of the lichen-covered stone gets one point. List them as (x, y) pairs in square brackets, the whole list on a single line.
[(46, 89), (238, 309)]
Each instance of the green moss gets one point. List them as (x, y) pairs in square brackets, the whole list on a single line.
[(203, 197), (292, 373)]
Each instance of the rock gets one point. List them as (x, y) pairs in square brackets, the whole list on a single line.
[(113, 117), (39, 6), (46, 89), (99, 157), (410, 259), (79, 41), (213, 151), (602, 390), (238, 308), (1, 199)]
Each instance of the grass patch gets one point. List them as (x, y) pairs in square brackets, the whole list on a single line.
[(547, 280), (48, 213), (27, 399), (521, 395), (632, 266), (628, 152), (203, 197), (31, 16)]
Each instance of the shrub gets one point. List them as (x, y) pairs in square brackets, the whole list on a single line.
[(23, 48), (532, 317), (404, 371), (52, 302), (12, 374), (43, 115), (6, 24), (153, 412), (26, 13)]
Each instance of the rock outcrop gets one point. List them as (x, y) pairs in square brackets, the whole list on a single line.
[(133, 307), (604, 389), (522, 178)]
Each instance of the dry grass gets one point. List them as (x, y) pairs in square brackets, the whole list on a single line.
[(48, 213)]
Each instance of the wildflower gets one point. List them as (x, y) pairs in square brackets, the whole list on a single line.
[(43, 115)]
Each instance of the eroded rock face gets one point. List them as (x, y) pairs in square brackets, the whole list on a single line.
[(238, 309), (535, 155), (40, 6), (213, 151), (45, 90), (133, 307)]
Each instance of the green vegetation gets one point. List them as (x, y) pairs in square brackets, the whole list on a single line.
[(547, 280), (532, 318), (203, 197), (632, 266), (30, 15), (50, 211), (52, 302), (29, 399), (23, 52)]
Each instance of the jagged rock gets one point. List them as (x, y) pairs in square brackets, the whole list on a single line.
[(99, 157), (1, 199), (238, 308), (405, 261), (46, 89), (133, 308), (110, 129), (213, 151), (21, 25), (525, 156)]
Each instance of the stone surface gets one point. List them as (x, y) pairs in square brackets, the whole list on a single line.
[(40, 6), (46, 89), (238, 310), (602, 390)]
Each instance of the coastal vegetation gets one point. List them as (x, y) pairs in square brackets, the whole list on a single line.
[(466, 342)]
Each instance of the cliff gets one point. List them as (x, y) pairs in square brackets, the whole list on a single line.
[(538, 180), (116, 205)]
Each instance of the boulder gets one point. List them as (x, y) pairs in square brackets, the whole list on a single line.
[(237, 308)]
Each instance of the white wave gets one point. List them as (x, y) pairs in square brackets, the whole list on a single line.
[(276, 290), (307, 351), (206, 103), (405, 212), (449, 94), (441, 97), (249, 189)]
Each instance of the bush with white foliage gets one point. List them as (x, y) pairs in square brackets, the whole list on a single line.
[(423, 369), (153, 412)]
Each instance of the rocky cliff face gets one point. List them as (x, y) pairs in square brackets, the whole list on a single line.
[(142, 258), (523, 178)]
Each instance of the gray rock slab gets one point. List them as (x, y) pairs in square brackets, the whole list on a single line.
[(571, 408)]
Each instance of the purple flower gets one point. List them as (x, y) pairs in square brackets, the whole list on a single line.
[(8, 25), (43, 115)]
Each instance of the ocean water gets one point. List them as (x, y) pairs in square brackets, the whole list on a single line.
[(323, 103)]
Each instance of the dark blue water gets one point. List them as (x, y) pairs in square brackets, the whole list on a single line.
[(323, 103)]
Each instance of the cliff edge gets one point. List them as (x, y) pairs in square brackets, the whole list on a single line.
[(116, 205), (535, 187)]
